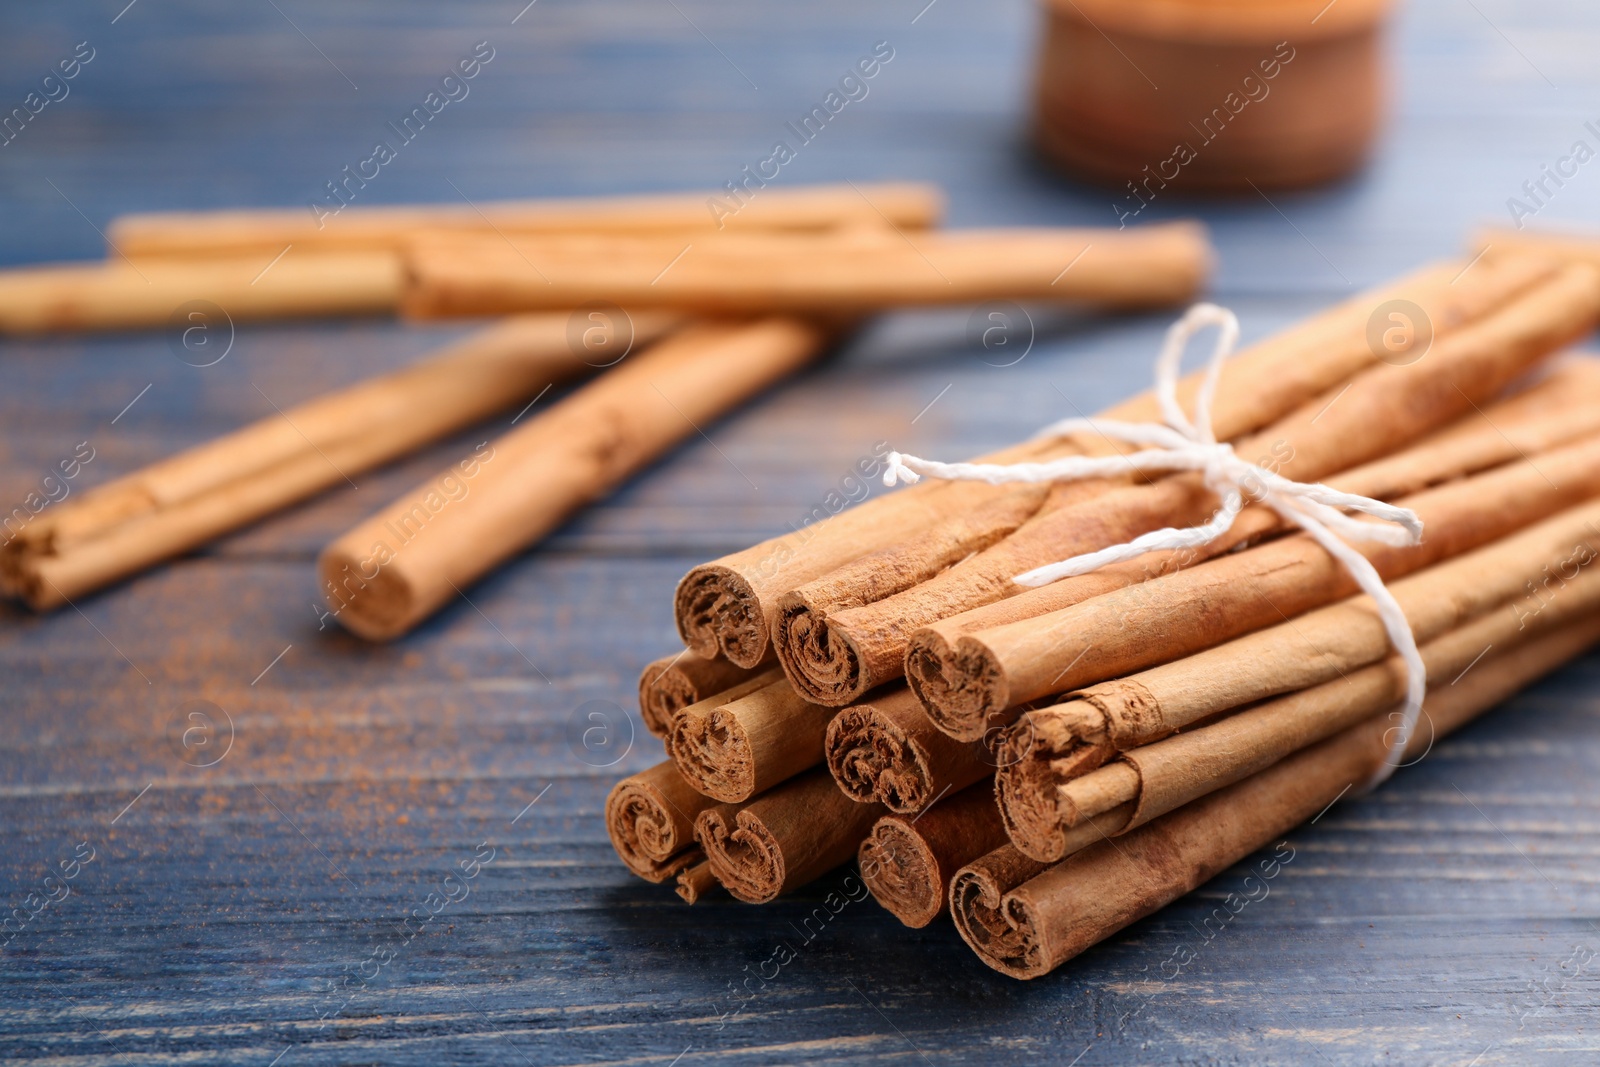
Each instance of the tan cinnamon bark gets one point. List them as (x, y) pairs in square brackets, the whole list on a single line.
[(729, 606), (398, 567), (887, 750), (747, 741), (650, 818), (784, 838), (907, 862), (183, 501), (1178, 614), (1561, 407), (672, 683), (1159, 777), (908, 205), (849, 270), (696, 881), (122, 295), (1049, 747), (1043, 922), (833, 647), (1568, 244)]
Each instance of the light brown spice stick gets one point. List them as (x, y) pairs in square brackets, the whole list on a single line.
[(831, 644), (186, 295), (672, 683), (907, 861), (784, 838), (854, 270), (180, 502), (887, 750), (650, 819), (728, 606), (395, 569), (1031, 929), (1049, 747), (907, 205), (747, 741), (696, 881), (1166, 618), (1164, 775)]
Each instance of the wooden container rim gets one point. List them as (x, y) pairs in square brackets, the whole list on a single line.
[(1220, 22)]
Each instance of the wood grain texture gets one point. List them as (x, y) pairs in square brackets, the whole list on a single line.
[(254, 908)]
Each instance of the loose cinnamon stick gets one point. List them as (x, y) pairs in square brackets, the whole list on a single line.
[(392, 571), (907, 863), (672, 683), (1163, 619), (696, 881), (650, 817), (887, 750), (831, 644), (121, 295), (1569, 244), (852, 270), (907, 205), (1049, 747), (728, 606), (1043, 922), (183, 501), (743, 743), (784, 838)]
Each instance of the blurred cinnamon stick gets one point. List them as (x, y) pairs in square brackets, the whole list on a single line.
[(908, 205), (398, 567), (854, 270)]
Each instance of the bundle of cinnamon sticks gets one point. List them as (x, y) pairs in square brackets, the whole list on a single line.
[(1049, 762)]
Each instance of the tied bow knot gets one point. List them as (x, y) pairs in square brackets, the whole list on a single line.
[(1182, 444)]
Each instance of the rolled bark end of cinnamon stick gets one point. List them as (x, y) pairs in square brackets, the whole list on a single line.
[(958, 685), (650, 819), (672, 683), (784, 838), (696, 881), (887, 751), (718, 613), (904, 872), (821, 662), (1037, 755), (976, 895), (907, 861), (745, 742)]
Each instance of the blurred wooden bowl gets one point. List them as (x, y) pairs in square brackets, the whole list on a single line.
[(1210, 95)]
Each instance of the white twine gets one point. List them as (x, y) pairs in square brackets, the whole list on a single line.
[(1182, 445)]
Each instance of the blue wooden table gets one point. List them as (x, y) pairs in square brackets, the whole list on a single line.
[(241, 879)]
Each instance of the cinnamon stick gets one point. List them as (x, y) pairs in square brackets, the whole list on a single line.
[(1049, 747), (748, 740), (1566, 244), (1031, 929), (696, 881), (124, 295), (853, 270), (672, 683), (784, 838), (728, 606), (887, 750), (907, 205), (907, 863), (1165, 775), (179, 503), (392, 571), (832, 644), (650, 818)]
